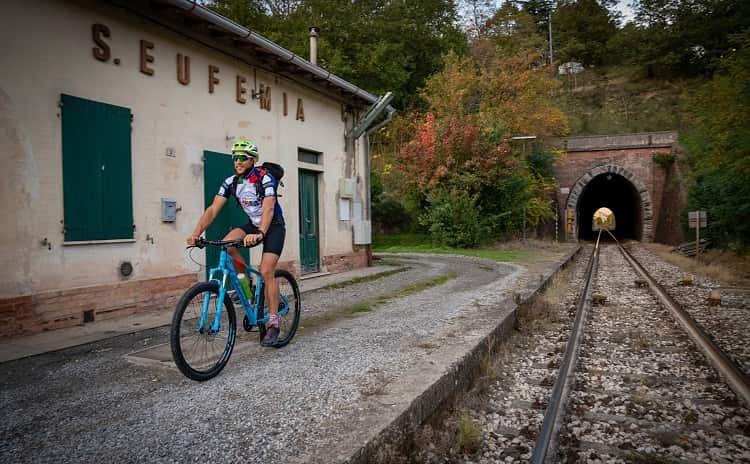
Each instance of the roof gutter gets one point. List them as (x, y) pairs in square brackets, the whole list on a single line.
[(194, 8)]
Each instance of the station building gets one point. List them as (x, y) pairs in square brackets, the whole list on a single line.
[(116, 121)]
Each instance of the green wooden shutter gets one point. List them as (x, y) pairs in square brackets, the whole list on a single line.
[(97, 177)]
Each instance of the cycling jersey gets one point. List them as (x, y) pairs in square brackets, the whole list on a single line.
[(249, 198)]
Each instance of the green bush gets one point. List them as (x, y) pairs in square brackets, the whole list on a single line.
[(664, 160), (390, 216), (453, 218)]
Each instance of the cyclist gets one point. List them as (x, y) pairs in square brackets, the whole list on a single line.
[(266, 222)]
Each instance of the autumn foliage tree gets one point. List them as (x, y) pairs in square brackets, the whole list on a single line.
[(460, 161)]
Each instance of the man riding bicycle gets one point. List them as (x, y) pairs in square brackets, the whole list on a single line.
[(255, 191)]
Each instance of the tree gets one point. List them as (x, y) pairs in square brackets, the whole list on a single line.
[(244, 12), (379, 45), (717, 143), (460, 147), (475, 14), (582, 29), (688, 37)]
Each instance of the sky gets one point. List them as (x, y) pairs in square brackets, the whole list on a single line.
[(627, 12)]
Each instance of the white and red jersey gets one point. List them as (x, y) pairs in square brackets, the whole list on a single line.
[(248, 196)]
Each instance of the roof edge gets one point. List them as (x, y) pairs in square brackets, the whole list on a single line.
[(196, 9)]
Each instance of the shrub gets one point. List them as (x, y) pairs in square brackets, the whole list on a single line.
[(453, 218), (664, 160), (390, 216)]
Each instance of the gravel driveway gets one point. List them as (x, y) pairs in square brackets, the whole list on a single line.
[(315, 400)]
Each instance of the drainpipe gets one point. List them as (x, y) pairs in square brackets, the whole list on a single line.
[(363, 128), (314, 45), (368, 196)]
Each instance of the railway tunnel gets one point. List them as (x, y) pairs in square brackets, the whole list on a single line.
[(613, 191)]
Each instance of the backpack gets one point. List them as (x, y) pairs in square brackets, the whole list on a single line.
[(276, 170)]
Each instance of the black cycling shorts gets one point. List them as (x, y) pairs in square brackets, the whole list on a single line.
[(273, 240)]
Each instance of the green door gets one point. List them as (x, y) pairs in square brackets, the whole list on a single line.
[(217, 167), (308, 219)]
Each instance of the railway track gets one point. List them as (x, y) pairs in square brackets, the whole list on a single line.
[(633, 386), (670, 399)]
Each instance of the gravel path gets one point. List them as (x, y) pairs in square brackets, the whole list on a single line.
[(87, 404), (643, 392)]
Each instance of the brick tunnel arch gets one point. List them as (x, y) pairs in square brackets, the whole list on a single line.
[(640, 219)]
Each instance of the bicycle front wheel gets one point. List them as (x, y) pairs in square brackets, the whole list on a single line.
[(199, 351)]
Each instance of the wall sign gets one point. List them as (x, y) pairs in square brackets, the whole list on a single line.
[(102, 51)]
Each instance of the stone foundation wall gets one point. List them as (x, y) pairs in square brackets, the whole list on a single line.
[(30, 314), (346, 262)]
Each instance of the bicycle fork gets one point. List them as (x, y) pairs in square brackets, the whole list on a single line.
[(216, 324)]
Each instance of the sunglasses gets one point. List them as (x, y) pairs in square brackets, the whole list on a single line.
[(240, 158)]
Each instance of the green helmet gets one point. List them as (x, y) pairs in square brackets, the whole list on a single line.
[(247, 146)]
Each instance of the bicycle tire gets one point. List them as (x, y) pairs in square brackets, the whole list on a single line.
[(185, 329), (289, 322)]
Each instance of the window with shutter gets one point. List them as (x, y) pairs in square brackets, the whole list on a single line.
[(97, 177)]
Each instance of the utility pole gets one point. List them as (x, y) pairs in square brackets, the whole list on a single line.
[(549, 5), (549, 25)]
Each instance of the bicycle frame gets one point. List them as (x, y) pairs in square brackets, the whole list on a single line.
[(226, 269)]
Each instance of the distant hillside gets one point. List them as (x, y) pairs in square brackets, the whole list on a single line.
[(616, 100)]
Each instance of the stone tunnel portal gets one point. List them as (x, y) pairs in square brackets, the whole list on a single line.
[(617, 193)]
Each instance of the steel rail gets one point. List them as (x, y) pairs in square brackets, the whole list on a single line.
[(733, 375), (546, 443)]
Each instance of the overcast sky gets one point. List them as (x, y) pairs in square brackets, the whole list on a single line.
[(627, 12)]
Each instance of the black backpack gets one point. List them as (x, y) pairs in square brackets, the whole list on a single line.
[(276, 170)]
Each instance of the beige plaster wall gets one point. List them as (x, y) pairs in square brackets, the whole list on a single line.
[(47, 51)]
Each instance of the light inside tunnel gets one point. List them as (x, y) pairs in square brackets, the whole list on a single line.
[(619, 195), (604, 219)]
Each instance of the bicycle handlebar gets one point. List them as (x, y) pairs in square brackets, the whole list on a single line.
[(201, 242)]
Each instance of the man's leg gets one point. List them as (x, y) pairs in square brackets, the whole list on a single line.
[(235, 234), (267, 269), (271, 291)]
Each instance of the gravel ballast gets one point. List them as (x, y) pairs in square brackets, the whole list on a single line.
[(643, 391)]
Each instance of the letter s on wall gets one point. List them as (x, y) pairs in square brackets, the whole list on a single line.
[(102, 52)]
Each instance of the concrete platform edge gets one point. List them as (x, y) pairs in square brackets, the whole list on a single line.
[(393, 436)]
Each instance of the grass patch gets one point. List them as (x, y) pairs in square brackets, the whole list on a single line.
[(469, 434), (722, 266), (369, 305), (420, 243), (414, 288), (370, 278), (359, 308)]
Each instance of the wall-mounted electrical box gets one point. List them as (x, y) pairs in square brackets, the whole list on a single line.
[(168, 210), (362, 233), (346, 188)]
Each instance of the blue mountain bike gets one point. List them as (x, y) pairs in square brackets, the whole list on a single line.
[(204, 325)]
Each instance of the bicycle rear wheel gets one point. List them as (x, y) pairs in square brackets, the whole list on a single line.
[(201, 353), (290, 307)]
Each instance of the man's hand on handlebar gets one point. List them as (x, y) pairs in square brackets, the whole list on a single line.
[(192, 239), (252, 239)]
